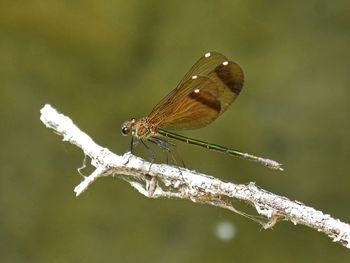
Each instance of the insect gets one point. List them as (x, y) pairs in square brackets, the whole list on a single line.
[(203, 94)]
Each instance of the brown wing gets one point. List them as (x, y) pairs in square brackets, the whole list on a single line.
[(229, 78), (205, 92), (198, 108)]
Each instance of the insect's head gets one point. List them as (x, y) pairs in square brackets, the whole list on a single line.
[(128, 126)]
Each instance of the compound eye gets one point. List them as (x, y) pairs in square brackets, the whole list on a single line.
[(125, 130)]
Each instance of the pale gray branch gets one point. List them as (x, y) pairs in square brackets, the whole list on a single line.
[(164, 181)]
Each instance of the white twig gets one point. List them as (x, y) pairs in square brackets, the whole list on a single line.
[(164, 181)]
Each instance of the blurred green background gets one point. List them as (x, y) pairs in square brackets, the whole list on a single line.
[(103, 62)]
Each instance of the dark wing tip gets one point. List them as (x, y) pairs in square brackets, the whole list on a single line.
[(231, 74)]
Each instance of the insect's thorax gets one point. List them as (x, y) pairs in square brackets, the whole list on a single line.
[(144, 128)]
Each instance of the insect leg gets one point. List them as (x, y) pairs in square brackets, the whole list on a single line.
[(152, 153), (169, 148), (134, 143)]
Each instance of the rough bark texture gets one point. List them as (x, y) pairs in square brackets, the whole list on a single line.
[(164, 181)]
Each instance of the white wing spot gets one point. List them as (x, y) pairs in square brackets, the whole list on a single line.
[(225, 63), (196, 91), (194, 77), (207, 55)]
